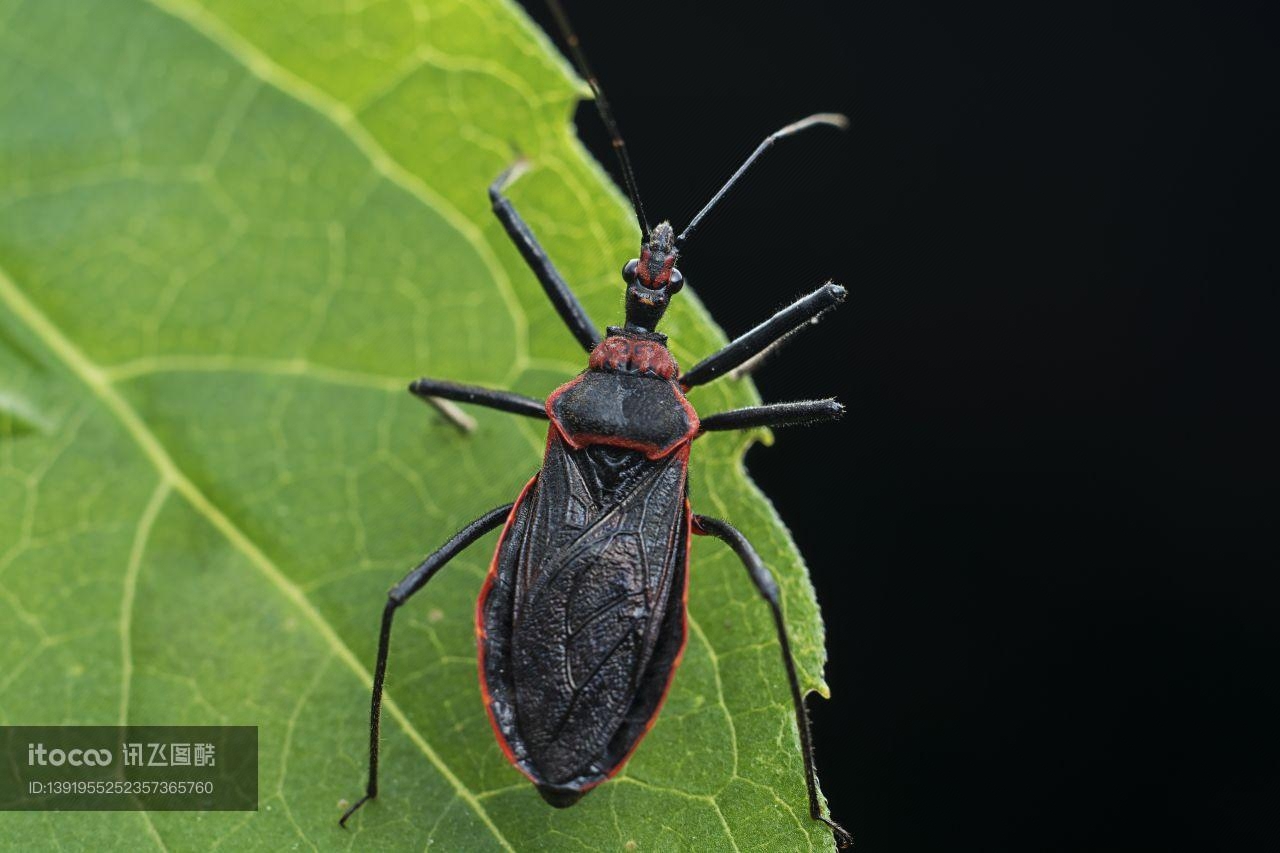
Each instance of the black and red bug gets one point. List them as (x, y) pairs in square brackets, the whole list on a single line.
[(581, 621)]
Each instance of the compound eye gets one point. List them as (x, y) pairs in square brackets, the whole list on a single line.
[(629, 271), (675, 282)]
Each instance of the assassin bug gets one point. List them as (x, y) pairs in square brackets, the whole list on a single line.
[(581, 620)]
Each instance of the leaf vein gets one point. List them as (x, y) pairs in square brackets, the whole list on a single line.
[(246, 54), (94, 379), (130, 587)]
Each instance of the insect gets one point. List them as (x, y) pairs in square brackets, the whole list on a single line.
[(581, 621)]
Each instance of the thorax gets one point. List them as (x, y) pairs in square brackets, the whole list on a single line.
[(640, 355), (628, 397)]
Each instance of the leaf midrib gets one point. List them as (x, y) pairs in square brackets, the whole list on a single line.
[(95, 379)]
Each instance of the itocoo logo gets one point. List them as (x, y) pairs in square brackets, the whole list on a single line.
[(37, 754)]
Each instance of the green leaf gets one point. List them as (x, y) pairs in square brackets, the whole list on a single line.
[(230, 232)]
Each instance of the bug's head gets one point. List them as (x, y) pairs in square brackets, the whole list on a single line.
[(652, 279)]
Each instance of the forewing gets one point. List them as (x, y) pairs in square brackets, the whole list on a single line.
[(589, 610)]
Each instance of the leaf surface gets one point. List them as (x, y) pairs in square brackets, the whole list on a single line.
[(230, 232)]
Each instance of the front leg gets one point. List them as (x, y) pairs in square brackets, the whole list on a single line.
[(398, 595), (566, 304), (436, 391), (787, 321), (774, 415), (768, 588)]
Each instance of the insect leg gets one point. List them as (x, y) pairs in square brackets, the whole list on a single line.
[(780, 325), (566, 304), (435, 391), (774, 415), (768, 587), (398, 595)]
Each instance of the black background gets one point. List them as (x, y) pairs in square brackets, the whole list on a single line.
[(1038, 536)]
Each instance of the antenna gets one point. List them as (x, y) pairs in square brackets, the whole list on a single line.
[(606, 114), (832, 119)]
